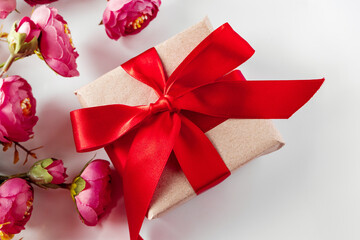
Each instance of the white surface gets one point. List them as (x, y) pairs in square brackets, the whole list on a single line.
[(310, 189)]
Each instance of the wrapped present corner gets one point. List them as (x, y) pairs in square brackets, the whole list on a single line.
[(154, 110)]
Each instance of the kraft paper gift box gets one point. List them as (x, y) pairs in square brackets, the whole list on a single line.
[(237, 140)]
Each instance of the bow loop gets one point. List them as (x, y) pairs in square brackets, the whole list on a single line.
[(218, 54), (147, 68), (109, 127)]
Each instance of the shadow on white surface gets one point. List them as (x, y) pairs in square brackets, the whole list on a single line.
[(54, 214), (53, 130)]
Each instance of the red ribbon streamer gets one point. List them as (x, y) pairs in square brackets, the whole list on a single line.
[(200, 94)]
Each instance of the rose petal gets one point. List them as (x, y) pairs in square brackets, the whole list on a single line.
[(88, 215)]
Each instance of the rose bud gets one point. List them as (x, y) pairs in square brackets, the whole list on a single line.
[(16, 201), (55, 44), (35, 2), (91, 191), (23, 38), (125, 17), (27, 26), (6, 7), (17, 109), (48, 171)]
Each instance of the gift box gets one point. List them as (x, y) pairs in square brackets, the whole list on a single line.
[(237, 140), (177, 119)]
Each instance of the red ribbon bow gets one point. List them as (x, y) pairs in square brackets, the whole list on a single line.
[(200, 94)]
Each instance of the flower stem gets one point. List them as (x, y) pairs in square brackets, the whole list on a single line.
[(2, 64), (19, 175), (51, 185), (65, 185), (28, 152), (3, 178), (25, 176), (7, 64)]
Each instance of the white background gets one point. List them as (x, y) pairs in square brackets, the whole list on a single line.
[(310, 189)]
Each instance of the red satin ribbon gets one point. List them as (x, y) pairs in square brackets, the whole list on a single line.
[(200, 94)]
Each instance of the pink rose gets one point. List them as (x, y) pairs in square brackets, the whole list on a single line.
[(91, 191), (55, 41), (35, 2), (17, 109), (16, 200), (27, 26), (124, 17), (6, 7), (48, 171)]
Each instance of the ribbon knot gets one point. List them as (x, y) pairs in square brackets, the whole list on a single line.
[(163, 104)]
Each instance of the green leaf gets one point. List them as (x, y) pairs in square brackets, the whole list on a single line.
[(46, 162), (38, 174)]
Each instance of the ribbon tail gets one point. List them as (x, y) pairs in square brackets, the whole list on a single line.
[(198, 158), (204, 122), (250, 99), (118, 150), (147, 157), (218, 54)]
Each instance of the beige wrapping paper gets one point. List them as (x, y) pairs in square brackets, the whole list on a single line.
[(237, 141)]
